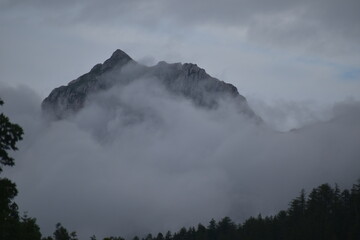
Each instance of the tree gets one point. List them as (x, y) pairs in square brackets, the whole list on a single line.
[(168, 235), (160, 236), (10, 134), (201, 233), (29, 230), (61, 233), (113, 238), (9, 216), (12, 226), (149, 237), (212, 230), (227, 229), (298, 206)]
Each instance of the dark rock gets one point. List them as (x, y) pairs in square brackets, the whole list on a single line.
[(186, 80)]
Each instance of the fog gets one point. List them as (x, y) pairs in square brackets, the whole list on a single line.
[(137, 159)]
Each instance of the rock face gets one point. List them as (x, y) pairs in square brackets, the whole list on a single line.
[(186, 80)]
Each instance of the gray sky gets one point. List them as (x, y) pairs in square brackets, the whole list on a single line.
[(291, 50), (296, 62)]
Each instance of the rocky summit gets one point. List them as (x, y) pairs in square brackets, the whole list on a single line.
[(184, 80)]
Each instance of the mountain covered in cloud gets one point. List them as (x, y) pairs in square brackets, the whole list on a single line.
[(139, 145), (184, 81)]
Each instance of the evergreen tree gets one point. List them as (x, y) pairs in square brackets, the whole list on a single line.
[(201, 233), (160, 236), (212, 230), (149, 237), (168, 235), (114, 238), (226, 229)]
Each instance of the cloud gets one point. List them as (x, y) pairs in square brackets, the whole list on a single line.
[(305, 49), (324, 28), (290, 115), (137, 159)]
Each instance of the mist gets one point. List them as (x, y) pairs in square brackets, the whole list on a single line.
[(137, 159)]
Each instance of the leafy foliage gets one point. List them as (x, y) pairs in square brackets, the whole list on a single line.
[(12, 226), (10, 134)]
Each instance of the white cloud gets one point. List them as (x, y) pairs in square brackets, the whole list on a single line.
[(166, 163)]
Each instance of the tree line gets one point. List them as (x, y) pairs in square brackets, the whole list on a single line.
[(325, 213)]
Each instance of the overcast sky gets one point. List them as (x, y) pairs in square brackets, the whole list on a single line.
[(293, 60), (291, 50)]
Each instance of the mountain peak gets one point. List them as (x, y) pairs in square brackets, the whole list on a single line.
[(118, 57), (119, 54), (186, 80)]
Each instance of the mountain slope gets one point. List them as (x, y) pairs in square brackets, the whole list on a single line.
[(185, 80)]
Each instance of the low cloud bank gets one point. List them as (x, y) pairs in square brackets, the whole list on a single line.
[(137, 159)]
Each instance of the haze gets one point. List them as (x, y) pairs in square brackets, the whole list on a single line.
[(105, 172)]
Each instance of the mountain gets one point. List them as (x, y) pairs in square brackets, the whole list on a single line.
[(185, 80)]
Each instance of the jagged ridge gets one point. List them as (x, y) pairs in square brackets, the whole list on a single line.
[(187, 80)]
